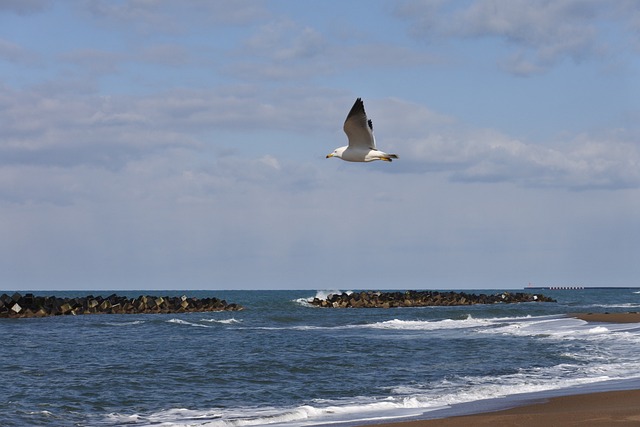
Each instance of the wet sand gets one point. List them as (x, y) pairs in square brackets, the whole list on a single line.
[(608, 317), (606, 409), (602, 409)]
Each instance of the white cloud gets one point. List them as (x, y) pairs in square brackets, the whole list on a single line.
[(110, 132), (271, 161), (285, 50), (63, 129), (539, 34), (135, 191), (157, 146), (285, 41), (162, 222), (280, 50), (585, 162)]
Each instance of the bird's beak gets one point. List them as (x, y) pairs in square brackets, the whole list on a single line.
[(329, 155)]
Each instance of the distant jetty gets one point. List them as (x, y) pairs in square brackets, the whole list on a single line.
[(29, 305), (372, 299)]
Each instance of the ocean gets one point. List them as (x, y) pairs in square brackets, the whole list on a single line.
[(281, 362)]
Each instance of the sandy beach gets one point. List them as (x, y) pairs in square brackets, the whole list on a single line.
[(602, 409), (609, 317), (606, 409)]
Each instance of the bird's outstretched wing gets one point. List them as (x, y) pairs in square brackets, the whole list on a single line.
[(358, 128)]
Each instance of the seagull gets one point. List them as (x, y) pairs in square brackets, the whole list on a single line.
[(362, 143)]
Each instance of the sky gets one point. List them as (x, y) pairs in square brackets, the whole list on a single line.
[(155, 144)]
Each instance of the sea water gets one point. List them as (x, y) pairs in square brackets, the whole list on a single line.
[(282, 362)]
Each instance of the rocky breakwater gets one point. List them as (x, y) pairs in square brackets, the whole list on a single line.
[(30, 305), (422, 299)]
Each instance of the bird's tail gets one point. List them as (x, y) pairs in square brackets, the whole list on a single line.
[(388, 157)]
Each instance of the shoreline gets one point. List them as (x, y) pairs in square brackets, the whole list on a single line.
[(597, 409), (594, 408), (624, 317)]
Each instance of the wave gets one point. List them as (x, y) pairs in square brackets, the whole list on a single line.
[(184, 322), (321, 295), (305, 302), (568, 328), (402, 401), (222, 321), (429, 325), (135, 322), (593, 364), (304, 415), (621, 305), (324, 294), (447, 324), (408, 325), (43, 412), (557, 326), (416, 325)]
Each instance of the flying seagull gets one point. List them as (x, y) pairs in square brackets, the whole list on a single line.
[(362, 143)]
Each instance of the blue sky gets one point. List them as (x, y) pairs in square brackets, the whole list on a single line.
[(181, 145)]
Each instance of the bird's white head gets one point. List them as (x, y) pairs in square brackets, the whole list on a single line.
[(337, 152)]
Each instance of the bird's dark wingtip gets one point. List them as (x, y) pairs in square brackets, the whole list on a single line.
[(358, 108)]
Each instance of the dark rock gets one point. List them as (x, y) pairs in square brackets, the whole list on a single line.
[(421, 299), (33, 306)]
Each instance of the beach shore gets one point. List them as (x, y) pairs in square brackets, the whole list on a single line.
[(605, 409), (601, 409), (608, 317)]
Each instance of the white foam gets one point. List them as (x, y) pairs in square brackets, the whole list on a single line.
[(321, 295), (403, 401), (396, 324), (184, 322), (44, 412), (566, 328), (120, 419), (305, 302), (597, 363), (488, 325), (429, 325), (605, 351), (135, 322), (621, 305), (222, 321), (303, 415), (406, 402), (448, 324)]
